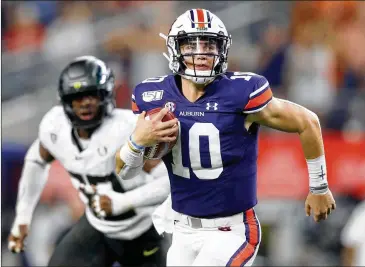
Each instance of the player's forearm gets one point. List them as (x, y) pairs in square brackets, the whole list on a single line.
[(347, 256), (311, 137), (128, 161), (149, 194), (290, 117), (119, 163), (312, 144), (32, 182), (152, 193)]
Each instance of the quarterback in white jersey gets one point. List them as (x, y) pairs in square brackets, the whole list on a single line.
[(83, 135)]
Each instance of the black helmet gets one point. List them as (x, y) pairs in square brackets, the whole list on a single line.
[(87, 75)]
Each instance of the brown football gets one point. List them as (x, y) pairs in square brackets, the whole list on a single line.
[(160, 149)]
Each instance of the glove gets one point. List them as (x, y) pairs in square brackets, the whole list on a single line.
[(17, 237), (110, 203), (90, 193)]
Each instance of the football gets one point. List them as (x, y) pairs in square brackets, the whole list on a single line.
[(160, 149)]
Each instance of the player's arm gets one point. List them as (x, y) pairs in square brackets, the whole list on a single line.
[(149, 194), (289, 117), (348, 256), (129, 159), (31, 184)]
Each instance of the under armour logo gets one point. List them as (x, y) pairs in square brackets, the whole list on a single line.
[(215, 106)]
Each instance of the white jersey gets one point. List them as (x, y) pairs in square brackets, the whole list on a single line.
[(92, 162)]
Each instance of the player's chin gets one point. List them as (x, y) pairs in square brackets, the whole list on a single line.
[(199, 67)]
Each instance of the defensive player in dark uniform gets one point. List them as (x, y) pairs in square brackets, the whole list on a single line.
[(213, 166), (83, 134)]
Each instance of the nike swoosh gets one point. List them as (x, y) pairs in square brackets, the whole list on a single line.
[(148, 253)]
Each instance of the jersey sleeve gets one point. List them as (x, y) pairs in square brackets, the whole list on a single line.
[(137, 98), (149, 94), (49, 126), (135, 107), (120, 126), (42, 134), (128, 119), (260, 95)]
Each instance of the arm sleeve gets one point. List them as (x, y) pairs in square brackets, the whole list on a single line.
[(126, 128), (154, 192), (129, 172), (31, 184), (260, 96)]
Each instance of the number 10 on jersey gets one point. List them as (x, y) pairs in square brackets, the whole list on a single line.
[(193, 150)]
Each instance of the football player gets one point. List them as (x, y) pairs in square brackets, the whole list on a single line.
[(84, 135), (213, 166)]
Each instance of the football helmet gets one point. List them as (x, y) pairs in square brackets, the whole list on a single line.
[(86, 75), (197, 34)]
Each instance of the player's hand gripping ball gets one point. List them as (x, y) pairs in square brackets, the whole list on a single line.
[(161, 149)]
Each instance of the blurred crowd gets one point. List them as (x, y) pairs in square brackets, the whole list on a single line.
[(40, 37), (319, 62), (312, 53), (315, 57)]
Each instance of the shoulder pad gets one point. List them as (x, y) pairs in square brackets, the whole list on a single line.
[(53, 119), (151, 89), (124, 116), (52, 122), (258, 93)]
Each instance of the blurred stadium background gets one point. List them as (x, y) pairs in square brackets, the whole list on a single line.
[(311, 52)]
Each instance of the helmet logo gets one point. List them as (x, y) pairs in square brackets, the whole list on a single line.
[(202, 29), (77, 85), (200, 18)]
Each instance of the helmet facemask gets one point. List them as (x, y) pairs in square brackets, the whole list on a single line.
[(198, 44), (86, 76), (199, 57), (105, 100)]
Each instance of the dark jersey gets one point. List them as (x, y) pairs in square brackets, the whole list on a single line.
[(213, 166)]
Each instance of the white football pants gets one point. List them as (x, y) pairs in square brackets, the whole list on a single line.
[(228, 241)]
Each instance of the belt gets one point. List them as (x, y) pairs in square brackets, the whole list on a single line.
[(197, 223)]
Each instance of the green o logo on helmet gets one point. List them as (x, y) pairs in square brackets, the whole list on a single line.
[(77, 85)]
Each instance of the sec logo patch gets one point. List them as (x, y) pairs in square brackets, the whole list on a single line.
[(171, 106)]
